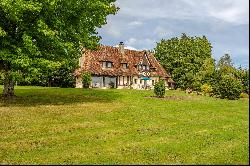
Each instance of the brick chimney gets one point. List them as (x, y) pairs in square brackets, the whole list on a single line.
[(121, 47)]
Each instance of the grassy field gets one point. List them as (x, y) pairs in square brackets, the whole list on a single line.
[(76, 126)]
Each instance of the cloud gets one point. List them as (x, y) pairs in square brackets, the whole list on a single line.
[(142, 23), (135, 23), (131, 41), (233, 11), (162, 32), (141, 44), (130, 48), (127, 47), (112, 30)]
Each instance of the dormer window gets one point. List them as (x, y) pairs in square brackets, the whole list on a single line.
[(107, 64), (124, 65), (145, 67)]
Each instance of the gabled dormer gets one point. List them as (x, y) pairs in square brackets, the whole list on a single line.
[(144, 64)]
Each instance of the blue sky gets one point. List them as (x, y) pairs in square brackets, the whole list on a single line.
[(142, 23)]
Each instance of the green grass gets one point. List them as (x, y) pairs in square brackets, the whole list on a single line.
[(76, 126)]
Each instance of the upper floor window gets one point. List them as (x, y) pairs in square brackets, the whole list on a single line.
[(125, 65), (145, 67), (107, 64)]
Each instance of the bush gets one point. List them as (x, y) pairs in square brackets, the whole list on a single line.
[(159, 89), (206, 89), (244, 95), (229, 87), (112, 85), (86, 79)]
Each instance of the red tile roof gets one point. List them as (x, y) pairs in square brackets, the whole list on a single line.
[(93, 62)]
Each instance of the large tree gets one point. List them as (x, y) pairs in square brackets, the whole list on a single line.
[(38, 36), (188, 59)]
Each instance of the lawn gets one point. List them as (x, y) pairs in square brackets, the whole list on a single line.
[(76, 126)]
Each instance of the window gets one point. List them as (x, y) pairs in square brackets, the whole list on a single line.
[(145, 67), (107, 65), (103, 64), (125, 65)]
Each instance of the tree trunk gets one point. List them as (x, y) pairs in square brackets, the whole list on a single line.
[(8, 90)]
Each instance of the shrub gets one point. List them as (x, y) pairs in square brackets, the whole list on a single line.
[(159, 89), (112, 85), (86, 79), (229, 87), (206, 89), (244, 95)]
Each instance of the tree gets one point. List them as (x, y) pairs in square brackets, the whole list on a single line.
[(39, 36), (62, 77), (228, 81), (243, 76), (184, 58)]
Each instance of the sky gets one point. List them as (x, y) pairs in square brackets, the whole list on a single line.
[(140, 24)]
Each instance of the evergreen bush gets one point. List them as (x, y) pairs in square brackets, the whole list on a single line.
[(86, 79), (229, 87), (159, 89)]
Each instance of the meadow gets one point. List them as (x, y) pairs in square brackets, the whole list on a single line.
[(94, 126)]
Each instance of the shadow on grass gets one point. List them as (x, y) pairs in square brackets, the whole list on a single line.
[(58, 96)]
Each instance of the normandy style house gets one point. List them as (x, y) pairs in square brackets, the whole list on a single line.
[(121, 68)]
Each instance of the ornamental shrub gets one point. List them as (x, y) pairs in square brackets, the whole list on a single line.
[(159, 89), (112, 85), (244, 95), (206, 89), (229, 87), (86, 79)]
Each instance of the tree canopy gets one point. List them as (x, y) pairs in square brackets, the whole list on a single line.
[(188, 59), (38, 36)]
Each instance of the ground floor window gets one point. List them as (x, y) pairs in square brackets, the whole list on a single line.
[(103, 81)]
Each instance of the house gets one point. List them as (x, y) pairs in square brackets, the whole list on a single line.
[(121, 68)]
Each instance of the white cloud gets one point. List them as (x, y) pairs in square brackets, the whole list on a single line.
[(127, 47), (131, 41), (112, 31), (141, 44), (162, 32), (233, 11), (130, 48), (236, 12), (140, 23), (135, 23)]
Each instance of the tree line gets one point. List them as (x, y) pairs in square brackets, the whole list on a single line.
[(189, 61)]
